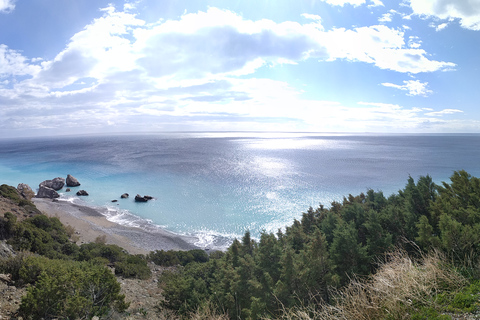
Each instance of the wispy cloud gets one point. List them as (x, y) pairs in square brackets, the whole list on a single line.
[(443, 112), (414, 87), (355, 3)]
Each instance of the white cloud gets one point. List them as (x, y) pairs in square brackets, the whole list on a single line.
[(467, 11), (414, 42), (355, 3), (376, 3), (386, 17), (414, 87), (312, 16), (443, 112), (212, 44), (13, 63), (441, 26), (7, 5), (184, 73), (381, 46), (344, 2)]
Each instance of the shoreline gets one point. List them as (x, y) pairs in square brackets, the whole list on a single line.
[(89, 224)]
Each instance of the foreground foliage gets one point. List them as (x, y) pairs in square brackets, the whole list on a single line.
[(330, 246), (49, 237), (333, 263)]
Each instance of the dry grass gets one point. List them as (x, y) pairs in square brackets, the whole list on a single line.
[(398, 288)]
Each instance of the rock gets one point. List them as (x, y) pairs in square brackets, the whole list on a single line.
[(72, 181), (139, 198), (7, 278), (25, 191), (82, 193), (55, 184), (114, 200), (46, 192), (6, 250), (68, 190), (124, 196)]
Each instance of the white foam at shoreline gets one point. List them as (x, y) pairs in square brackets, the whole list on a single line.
[(202, 239)]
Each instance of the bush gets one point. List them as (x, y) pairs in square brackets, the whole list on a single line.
[(43, 235), (68, 289), (171, 258), (7, 224), (12, 193), (134, 266), (111, 252), (13, 264)]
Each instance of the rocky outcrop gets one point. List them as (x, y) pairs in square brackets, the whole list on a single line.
[(55, 184), (6, 250), (139, 198), (25, 190), (124, 196), (46, 192), (82, 193), (72, 181)]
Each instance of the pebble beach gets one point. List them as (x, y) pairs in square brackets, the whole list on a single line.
[(90, 224)]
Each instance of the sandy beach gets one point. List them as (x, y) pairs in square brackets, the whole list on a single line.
[(89, 224)]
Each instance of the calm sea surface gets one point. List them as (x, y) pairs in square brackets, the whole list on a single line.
[(217, 185)]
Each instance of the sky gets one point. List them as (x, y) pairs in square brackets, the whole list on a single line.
[(94, 67)]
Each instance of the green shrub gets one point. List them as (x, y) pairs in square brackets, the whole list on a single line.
[(43, 235), (68, 290), (12, 193), (171, 258), (7, 225), (111, 252), (13, 264), (134, 266)]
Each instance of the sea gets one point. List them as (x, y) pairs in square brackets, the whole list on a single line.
[(217, 185)]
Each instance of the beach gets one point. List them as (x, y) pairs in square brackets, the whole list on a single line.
[(90, 225)]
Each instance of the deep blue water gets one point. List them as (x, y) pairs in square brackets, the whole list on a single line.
[(217, 185)]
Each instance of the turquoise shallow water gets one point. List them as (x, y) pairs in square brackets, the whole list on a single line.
[(217, 185)]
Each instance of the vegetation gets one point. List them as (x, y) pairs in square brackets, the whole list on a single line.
[(330, 246), (412, 255), (172, 258), (12, 194), (49, 237)]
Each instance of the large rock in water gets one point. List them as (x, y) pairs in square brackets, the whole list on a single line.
[(25, 191), (72, 181), (82, 193), (55, 184), (139, 198), (46, 192)]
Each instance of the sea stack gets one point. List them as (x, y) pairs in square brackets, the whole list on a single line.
[(55, 184), (72, 181), (46, 192), (139, 198)]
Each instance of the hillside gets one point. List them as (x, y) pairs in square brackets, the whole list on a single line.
[(413, 255)]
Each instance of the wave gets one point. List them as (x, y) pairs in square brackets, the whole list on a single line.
[(204, 239)]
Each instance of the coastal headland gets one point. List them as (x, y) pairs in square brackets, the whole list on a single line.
[(90, 225)]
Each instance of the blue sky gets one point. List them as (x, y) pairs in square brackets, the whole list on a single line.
[(78, 66)]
